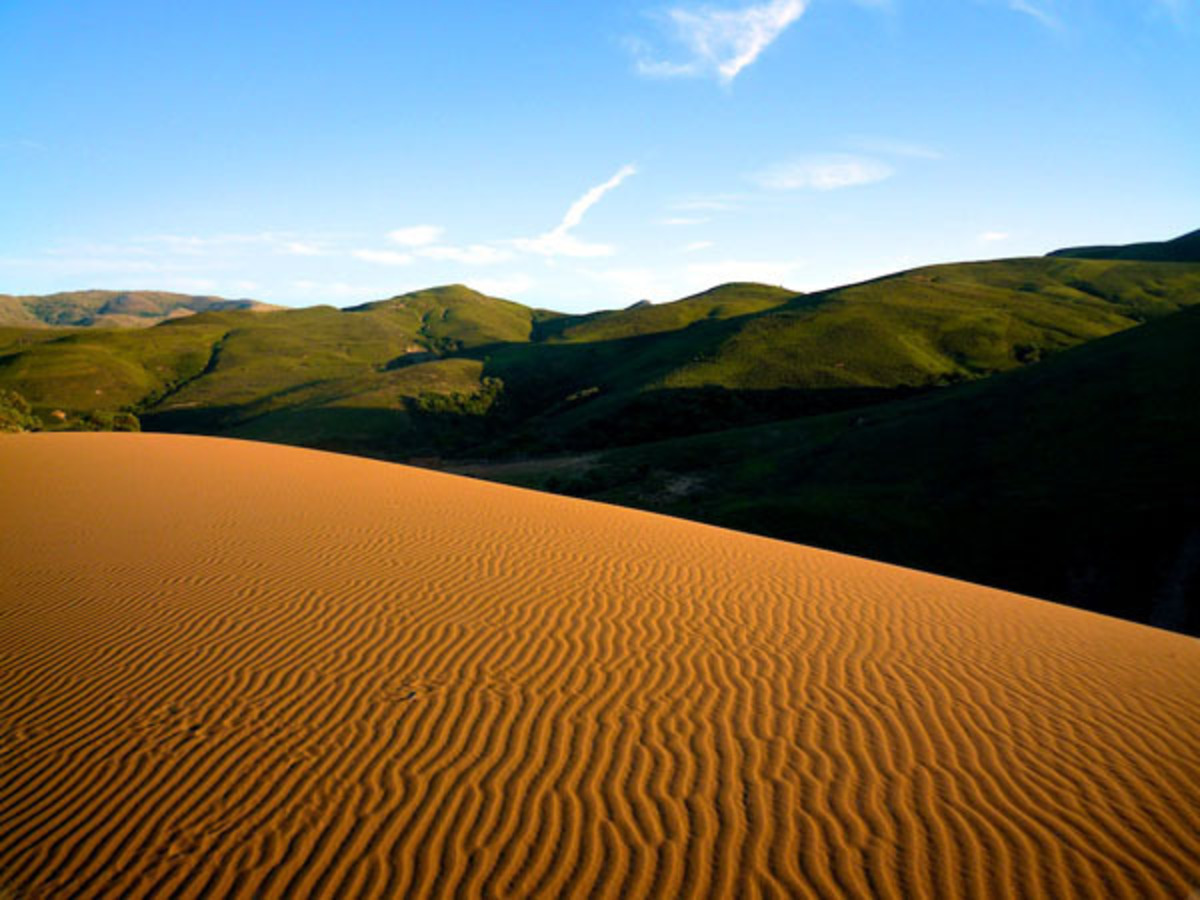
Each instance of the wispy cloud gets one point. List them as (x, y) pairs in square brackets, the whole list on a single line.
[(472, 255), (1042, 15), (992, 237), (340, 290), (724, 271), (416, 235), (559, 241), (711, 203), (719, 42), (285, 243), (697, 246), (301, 248), (21, 144), (383, 257), (512, 285), (893, 147), (677, 221), (822, 173)]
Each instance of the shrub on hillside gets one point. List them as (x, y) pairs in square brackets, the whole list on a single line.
[(15, 413), (101, 420)]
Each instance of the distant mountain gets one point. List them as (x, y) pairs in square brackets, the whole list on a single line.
[(1182, 249), (110, 309)]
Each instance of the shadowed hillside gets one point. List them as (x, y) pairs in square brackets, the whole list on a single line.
[(1074, 479), (1182, 249), (889, 395)]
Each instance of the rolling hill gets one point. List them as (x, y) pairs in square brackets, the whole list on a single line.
[(110, 309), (449, 371), (1185, 248), (791, 414)]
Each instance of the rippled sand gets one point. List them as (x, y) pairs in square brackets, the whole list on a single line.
[(235, 669)]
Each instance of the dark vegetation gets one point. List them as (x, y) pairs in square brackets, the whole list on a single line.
[(1185, 248), (1025, 423), (1075, 479)]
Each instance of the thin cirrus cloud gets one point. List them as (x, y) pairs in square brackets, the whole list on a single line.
[(822, 173), (416, 235), (383, 257), (719, 42), (991, 237), (559, 241), (894, 147), (1034, 11), (472, 255), (418, 241), (421, 241)]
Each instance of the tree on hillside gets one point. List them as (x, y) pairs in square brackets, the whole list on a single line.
[(15, 413)]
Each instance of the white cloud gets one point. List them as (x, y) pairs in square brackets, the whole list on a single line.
[(383, 257), (716, 203), (697, 246), (55, 264), (341, 290), (632, 283), (1036, 12), (560, 241), (196, 245), (893, 147), (473, 255), (300, 248), (822, 173), (683, 220), (186, 285), (506, 285), (663, 284), (721, 42), (991, 237), (701, 276), (415, 235)]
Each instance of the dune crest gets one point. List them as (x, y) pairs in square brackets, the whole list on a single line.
[(236, 669)]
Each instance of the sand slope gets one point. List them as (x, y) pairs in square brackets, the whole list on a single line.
[(246, 670)]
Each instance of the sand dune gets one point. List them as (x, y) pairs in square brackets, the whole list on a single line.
[(233, 669)]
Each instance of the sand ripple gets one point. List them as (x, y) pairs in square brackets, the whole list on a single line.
[(230, 669)]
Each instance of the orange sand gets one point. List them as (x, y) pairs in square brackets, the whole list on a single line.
[(235, 669)]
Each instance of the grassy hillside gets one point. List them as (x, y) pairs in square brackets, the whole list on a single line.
[(1027, 423), (1074, 479), (805, 354), (110, 309), (1182, 249), (449, 371)]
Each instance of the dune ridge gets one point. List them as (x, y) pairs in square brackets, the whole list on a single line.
[(237, 669)]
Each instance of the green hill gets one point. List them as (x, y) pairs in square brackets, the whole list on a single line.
[(110, 309), (452, 372), (1182, 249), (802, 354), (1017, 422), (1073, 480)]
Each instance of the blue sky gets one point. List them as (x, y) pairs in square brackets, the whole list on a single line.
[(580, 155)]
